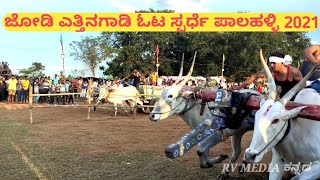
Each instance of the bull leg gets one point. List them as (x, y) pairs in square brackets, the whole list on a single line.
[(95, 106), (131, 105), (115, 109), (313, 172), (123, 108), (236, 147), (236, 150), (277, 163), (203, 150)]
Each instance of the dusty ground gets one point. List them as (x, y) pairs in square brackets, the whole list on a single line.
[(63, 144)]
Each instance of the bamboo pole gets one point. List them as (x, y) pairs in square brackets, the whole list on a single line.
[(112, 95), (30, 103), (83, 106), (57, 105), (58, 94)]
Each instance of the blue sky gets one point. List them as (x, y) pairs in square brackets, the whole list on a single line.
[(20, 49)]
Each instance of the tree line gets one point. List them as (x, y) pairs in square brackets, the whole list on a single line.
[(123, 51)]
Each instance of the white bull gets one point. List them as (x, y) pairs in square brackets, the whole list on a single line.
[(293, 140), (121, 95), (173, 102)]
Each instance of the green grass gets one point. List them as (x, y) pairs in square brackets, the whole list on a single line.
[(11, 164)]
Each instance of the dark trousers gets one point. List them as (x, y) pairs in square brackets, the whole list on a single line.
[(2, 95), (62, 99), (43, 99), (25, 95), (70, 99)]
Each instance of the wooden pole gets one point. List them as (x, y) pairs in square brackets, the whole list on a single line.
[(157, 53), (89, 97), (30, 103), (222, 68)]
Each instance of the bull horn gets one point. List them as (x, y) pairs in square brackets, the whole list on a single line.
[(181, 71), (272, 83), (190, 71), (296, 88)]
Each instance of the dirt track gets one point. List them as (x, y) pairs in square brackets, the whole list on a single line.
[(104, 135)]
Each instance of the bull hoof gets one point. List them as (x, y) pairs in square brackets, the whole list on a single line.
[(206, 165), (223, 176), (223, 156)]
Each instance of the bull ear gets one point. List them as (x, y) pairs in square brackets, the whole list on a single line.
[(292, 113), (262, 102), (187, 94)]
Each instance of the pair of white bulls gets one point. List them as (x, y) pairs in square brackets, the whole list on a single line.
[(290, 138)]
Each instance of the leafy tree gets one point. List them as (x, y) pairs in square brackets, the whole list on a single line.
[(92, 51), (35, 70), (241, 49)]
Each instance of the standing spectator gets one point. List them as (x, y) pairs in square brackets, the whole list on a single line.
[(25, 87), (62, 77), (19, 91), (84, 88), (49, 80), (53, 90), (55, 80), (12, 87), (36, 90), (136, 76), (41, 91), (75, 87), (67, 84), (71, 89), (3, 86), (62, 90), (153, 77), (46, 87)]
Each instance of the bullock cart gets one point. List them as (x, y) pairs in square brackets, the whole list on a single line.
[(149, 96)]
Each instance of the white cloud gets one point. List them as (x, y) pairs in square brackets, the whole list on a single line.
[(177, 5), (184, 5), (122, 6)]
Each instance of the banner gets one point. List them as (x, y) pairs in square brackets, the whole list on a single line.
[(161, 22)]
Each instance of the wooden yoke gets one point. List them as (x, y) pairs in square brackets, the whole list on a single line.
[(311, 112)]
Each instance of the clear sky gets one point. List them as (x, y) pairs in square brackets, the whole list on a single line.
[(20, 49)]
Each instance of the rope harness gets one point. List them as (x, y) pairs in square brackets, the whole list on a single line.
[(185, 109)]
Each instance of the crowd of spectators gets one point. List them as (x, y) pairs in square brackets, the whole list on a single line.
[(15, 89)]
